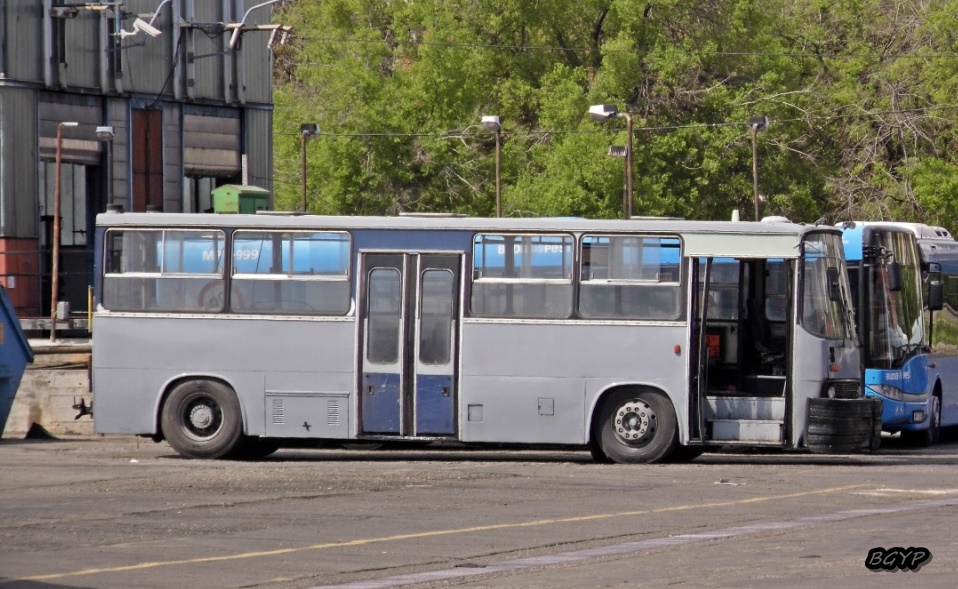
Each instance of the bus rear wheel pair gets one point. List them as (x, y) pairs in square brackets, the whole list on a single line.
[(635, 427), (203, 419)]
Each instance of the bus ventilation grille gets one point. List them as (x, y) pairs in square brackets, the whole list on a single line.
[(279, 412)]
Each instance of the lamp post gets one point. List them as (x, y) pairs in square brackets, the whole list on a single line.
[(759, 123), (55, 270), (491, 123), (601, 113), (306, 131)]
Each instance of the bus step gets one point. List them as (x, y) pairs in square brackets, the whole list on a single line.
[(747, 430)]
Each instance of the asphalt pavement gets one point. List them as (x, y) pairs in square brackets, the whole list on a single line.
[(124, 512)]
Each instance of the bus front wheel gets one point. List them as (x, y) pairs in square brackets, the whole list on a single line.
[(202, 419), (637, 427)]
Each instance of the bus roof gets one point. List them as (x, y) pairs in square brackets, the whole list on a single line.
[(936, 243), (712, 238)]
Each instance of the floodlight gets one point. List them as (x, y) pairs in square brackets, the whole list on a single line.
[(618, 151), (141, 25), (603, 112), (104, 133), (759, 123), (309, 130), (491, 123)]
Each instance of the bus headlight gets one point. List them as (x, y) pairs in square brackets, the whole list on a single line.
[(841, 389), (896, 394), (893, 393)]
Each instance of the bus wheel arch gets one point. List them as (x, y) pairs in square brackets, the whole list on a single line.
[(634, 425), (202, 418)]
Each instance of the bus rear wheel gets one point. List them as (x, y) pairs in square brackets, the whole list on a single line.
[(637, 427), (202, 419)]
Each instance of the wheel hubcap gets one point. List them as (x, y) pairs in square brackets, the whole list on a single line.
[(201, 417), (635, 422)]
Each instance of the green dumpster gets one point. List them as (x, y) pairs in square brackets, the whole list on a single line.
[(240, 198)]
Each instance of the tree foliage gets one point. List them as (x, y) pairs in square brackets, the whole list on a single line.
[(862, 96)]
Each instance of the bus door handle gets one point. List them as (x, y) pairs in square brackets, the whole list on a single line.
[(445, 391), (370, 390)]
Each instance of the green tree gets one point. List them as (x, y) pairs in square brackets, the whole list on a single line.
[(859, 93)]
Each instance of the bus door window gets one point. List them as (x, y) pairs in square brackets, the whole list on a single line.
[(437, 316), (822, 315), (384, 316)]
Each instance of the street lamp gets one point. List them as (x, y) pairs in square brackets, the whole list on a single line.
[(105, 134), (491, 123), (55, 270), (306, 131), (238, 30), (601, 113), (759, 123)]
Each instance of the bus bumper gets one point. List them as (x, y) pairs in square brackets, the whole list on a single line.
[(902, 415)]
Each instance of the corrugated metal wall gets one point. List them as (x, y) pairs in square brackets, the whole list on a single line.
[(18, 162), (118, 116), (259, 123), (97, 78), (20, 38), (172, 158)]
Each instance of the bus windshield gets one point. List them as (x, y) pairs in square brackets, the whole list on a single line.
[(826, 290), (894, 315)]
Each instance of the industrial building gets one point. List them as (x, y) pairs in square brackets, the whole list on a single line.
[(141, 104)]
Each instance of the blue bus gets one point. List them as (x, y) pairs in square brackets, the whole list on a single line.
[(904, 278), (230, 336)]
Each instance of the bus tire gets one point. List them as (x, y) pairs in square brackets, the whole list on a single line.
[(637, 427), (830, 409), (595, 450), (254, 448), (843, 425), (202, 419), (931, 435), (685, 453)]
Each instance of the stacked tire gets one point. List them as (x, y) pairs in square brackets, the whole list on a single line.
[(843, 426)]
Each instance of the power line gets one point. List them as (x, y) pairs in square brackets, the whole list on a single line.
[(470, 133), (554, 48)]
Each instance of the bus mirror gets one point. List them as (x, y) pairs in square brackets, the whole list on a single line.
[(936, 295), (894, 276), (834, 285)]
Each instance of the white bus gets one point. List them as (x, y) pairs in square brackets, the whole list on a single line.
[(232, 335)]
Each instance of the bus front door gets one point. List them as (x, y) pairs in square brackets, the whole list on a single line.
[(410, 317)]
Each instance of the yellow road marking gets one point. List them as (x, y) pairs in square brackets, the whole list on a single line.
[(435, 533)]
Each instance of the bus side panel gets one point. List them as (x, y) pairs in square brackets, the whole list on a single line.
[(946, 369), (136, 357), (538, 382)]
